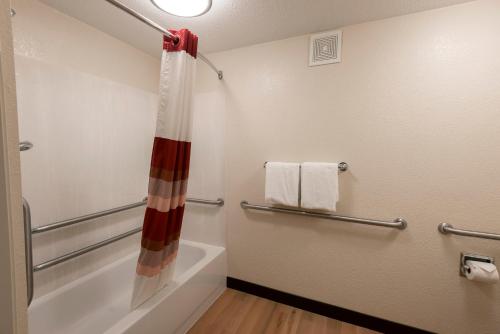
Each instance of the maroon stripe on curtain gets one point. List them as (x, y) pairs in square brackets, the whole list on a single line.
[(161, 228), (170, 159), (187, 42)]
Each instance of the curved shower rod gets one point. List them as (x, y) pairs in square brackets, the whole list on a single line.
[(164, 31)]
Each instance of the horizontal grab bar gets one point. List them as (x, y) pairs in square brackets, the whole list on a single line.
[(72, 255), (343, 166), (449, 229), (398, 223), (72, 221), (77, 253), (217, 202)]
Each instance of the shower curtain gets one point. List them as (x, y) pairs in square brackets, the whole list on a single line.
[(169, 169)]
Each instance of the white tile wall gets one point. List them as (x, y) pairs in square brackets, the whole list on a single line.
[(92, 150), (206, 177)]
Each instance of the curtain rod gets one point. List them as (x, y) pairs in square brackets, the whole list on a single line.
[(157, 27)]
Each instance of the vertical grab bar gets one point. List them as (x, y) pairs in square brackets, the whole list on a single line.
[(28, 249)]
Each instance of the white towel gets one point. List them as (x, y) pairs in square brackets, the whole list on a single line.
[(320, 186), (282, 183)]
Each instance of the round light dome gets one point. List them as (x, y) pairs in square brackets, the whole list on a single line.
[(185, 8)]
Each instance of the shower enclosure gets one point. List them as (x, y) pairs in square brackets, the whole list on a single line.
[(85, 161)]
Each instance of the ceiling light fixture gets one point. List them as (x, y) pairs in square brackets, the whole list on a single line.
[(185, 8)]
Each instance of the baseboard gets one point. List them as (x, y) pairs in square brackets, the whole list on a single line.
[(327, 310)]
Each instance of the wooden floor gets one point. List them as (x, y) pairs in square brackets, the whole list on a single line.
[(241, 313)]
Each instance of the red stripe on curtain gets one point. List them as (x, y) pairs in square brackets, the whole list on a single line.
[(171, 155), (187, 42), (162, 226)]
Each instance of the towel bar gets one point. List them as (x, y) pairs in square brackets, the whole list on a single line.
[(445, 228), (398, 223), (343, 166)]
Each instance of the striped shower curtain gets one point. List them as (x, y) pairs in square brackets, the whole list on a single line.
[(169, 169)]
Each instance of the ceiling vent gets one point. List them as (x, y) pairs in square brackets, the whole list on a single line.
[(325, 48)]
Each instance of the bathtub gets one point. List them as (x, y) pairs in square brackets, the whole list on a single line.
[(99, 302)]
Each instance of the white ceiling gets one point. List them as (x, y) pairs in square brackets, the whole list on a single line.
[(235, 23)]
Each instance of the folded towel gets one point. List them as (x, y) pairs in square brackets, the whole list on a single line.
[(282, 183), (320, 185)]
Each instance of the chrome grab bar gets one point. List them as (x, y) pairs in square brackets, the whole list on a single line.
[(74, 254), (217, 202), (445, 228), (72, 221), (28, 249), (343, 166), (398, 223)]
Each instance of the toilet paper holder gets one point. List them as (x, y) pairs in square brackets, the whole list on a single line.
[(464, 257)]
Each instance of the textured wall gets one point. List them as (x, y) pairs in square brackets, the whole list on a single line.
[(413, 108)]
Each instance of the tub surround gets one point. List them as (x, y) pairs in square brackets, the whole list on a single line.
[(60, 60)]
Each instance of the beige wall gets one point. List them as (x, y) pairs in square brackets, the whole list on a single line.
[(12, 275), (414, 109)]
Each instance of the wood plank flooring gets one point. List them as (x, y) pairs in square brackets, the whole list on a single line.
[(240, 313)]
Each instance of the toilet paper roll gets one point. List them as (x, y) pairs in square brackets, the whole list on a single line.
[(481, 272)]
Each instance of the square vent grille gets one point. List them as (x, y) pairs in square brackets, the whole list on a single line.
[(325, 48)]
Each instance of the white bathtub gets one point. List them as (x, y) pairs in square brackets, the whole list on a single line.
[(99, 302)]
